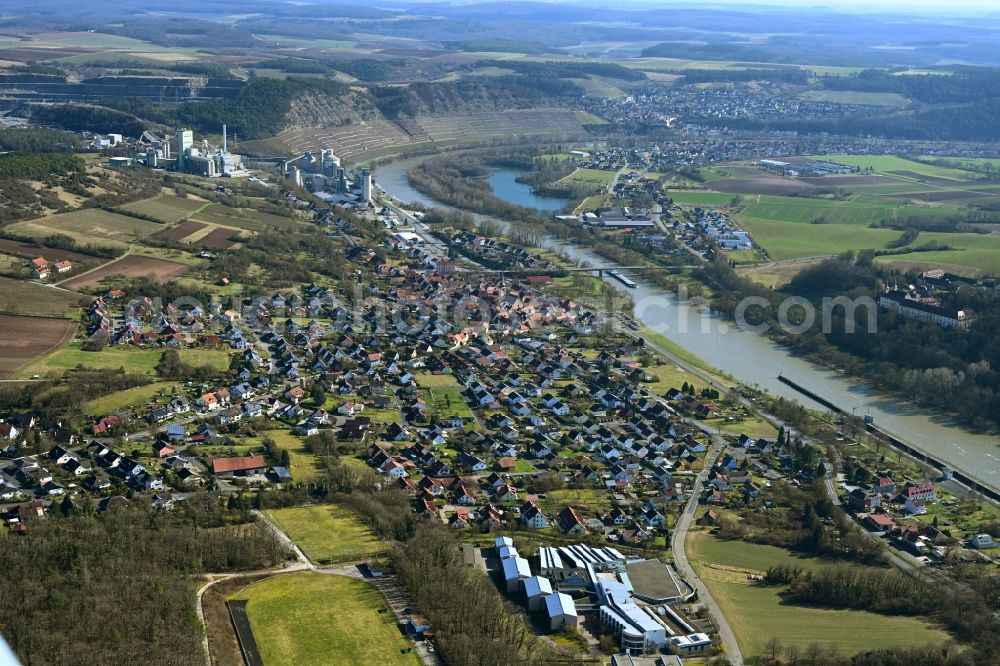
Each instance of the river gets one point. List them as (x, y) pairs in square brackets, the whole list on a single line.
[(756, 360)]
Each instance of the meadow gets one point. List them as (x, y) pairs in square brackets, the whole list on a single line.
[(303, 465), (88, 226), (311, 619), (166, 207), (328, 533), (130, 398), (141, 361), (757, 612)]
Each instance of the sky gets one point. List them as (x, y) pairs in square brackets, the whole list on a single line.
[(932, 7)]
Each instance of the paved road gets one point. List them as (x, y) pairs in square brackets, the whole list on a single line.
[(726, 634)]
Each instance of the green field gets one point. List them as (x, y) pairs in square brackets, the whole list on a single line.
[(242, 218), (757, 612), (88, 226), (141, 361), (593, 177), (133, 397), (863, 210), (700, 198), (431, 381), (304, 465), (328, 532), (784, 240), (973, 254), (891, 163), (893, 100), (311, 619), (167, 207)]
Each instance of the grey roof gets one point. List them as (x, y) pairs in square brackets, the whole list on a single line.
[(560, 604), (516, 567), (536, 586)]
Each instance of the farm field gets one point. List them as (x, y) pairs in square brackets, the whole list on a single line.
[(30, 298), (311, 619), (23, 339), (328, 532), (700, 198), (757, 612), (786, 240), (88, 226), (894, 165), (972, 254), (242, 218), (860, 211), (128, 266), (166, 207), (893, 100), (32, 250)]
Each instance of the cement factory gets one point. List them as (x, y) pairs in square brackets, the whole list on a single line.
[(319, 172)]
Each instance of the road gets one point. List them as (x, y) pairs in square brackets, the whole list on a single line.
[(685, 569)]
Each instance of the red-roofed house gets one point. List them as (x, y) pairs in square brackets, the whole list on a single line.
[(243, 464), (879, 522)]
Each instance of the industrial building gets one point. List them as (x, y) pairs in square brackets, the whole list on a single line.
[(185, 157)]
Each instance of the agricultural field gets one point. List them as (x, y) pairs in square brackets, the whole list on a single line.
[(974, 255), (166, 207), (88, 226), (897, 166), (242, 218), (757, 612), (311, 619), (128, 266), (892, 100), (788, 240), (29, 298), (328, 533), (24, 339)]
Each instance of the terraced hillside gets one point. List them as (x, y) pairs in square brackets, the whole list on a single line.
[(356, 139)]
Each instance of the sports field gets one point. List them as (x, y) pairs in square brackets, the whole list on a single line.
[(312, 619), (328, 532), (757, 612)]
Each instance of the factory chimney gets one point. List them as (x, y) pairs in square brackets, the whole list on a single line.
[(224, 138)]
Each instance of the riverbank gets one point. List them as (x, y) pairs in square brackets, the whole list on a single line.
[(756, 361)]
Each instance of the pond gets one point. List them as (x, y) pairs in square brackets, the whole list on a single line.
[(505, 186)]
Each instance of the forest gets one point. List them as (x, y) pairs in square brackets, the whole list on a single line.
[(117, 587), (956, 371)]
